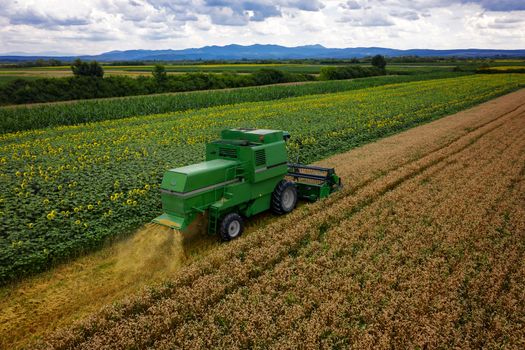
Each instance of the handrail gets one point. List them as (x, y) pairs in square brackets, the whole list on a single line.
[(310, 167)]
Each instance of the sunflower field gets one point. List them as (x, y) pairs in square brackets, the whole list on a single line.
[(38, 116), (67, 189)]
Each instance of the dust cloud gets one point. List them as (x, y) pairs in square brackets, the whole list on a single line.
[(71, 291), (156, 250)]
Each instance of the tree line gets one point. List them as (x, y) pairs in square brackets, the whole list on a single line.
[(88, 82)]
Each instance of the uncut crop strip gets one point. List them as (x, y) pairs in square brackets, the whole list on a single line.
[(143, 321), (51, 208), (30, 117), (439, 317)]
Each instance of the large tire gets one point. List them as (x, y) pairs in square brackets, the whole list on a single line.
[(232, 226), (284, 197)]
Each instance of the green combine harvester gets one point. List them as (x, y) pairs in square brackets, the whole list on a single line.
[(246, 172)]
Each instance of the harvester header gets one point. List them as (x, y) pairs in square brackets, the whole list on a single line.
[(245, 173)]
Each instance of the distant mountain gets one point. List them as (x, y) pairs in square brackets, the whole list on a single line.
[(257, 52)]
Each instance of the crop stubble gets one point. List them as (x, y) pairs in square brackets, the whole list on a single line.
[(422, 248)]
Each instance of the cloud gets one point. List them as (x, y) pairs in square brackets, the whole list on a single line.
[(489, 5), (500, 5), (161, 35), (183, 6), (240, 12), (304, 5), (365, 14), (236, 12), (92, 36), (507, 21), (32, 17), (92, 26), (228, 16), (408, 15), (351, 5), (371, 20)]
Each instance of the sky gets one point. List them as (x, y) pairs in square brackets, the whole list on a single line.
[(96, 26)]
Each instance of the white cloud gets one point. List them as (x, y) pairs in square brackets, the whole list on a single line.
[(94, 26), (351, 5), (408, 15)]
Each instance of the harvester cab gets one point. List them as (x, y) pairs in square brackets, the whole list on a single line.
[(245, 173)]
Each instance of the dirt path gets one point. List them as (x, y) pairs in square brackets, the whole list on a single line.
[(58, 297)]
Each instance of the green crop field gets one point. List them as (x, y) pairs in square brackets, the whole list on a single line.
[(62, 71), (189, 68), (18, 118), (51, 207), (219, 68), (305, 68), (4, 79), (241, 68)]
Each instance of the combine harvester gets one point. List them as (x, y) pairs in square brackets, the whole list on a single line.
[(246, 172)]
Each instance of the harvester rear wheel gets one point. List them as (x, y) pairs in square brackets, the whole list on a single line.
[(231, 227), (284, 197)]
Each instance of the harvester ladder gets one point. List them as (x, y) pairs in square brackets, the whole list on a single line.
[(214, 215), (213, 219)]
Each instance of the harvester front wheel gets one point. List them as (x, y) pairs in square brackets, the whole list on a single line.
[(284, 197), (231, 227)]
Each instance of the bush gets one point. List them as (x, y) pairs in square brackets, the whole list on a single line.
[(379, 61), (159, 74), (349, 72), (269, 76), (84, 69), (496, 70), (60, 89), (87, 84)]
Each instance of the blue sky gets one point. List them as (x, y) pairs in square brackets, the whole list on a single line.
[(94, 26)]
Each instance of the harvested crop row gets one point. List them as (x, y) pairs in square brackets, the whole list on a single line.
[(275, 296), (364, 266), (146, 319), (435, 275), (51, 208)]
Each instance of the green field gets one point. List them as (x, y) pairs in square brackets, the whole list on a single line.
[(220, 68), (4, 79), (291, 68), (63, 71), (51, 209), (242, 68), (27, 117)]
